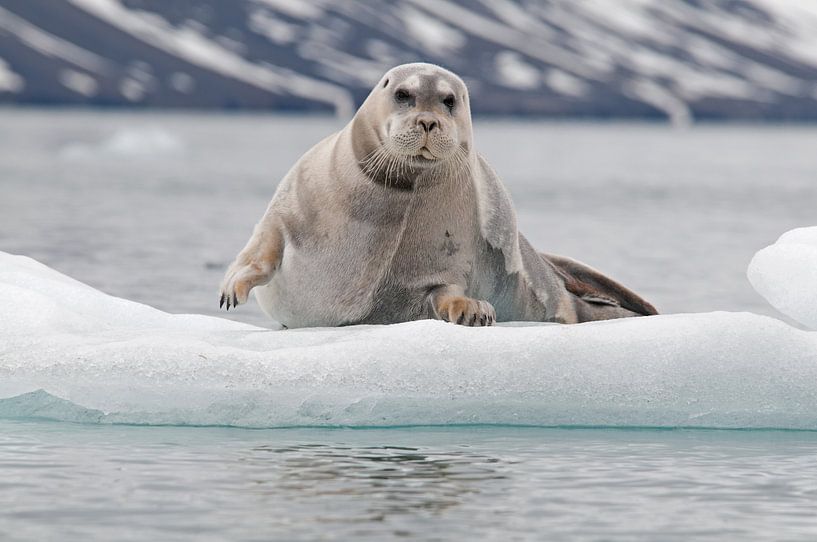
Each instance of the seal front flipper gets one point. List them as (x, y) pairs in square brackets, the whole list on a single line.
[(255, 264), (448, 303), (590, 285)]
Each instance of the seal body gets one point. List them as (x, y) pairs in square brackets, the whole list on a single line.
[(397, 218)]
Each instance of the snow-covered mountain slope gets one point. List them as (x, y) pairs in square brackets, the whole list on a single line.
[(679, 59)]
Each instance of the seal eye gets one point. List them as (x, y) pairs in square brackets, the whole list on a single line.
[(402, 96), (449, 102)]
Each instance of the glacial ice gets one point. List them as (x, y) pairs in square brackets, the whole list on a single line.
[(69, 352), (785, 274)]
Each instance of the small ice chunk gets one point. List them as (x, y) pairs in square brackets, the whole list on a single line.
[(135, 142), (785, 274)]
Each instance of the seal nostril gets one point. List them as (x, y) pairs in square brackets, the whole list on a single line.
[(427, 124)]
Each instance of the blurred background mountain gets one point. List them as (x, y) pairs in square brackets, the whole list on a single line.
[(675, 59)]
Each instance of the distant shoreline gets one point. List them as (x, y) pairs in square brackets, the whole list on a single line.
[(323, 114)]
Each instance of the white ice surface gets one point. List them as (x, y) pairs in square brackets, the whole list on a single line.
[(785, 273), (70, 352)]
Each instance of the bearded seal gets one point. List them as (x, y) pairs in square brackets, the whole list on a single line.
[(397, 218)]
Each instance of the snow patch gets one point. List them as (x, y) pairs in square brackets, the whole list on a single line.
[(50, 45), (564, 83), (342, 66), (277, 31), (79, 82), (295, 8), (430, 33), (182, 82), (798, 24), (629, 16), (132, 89), (662, 99), (533, 45), (514, 72), (9, 81)]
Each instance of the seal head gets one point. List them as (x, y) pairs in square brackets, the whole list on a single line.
[(417, 117)]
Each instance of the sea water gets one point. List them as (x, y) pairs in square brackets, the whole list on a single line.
[(85, 482), (153, 207)]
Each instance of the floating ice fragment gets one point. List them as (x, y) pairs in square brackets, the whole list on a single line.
[(135, 142), (69, 352), (785, 274)]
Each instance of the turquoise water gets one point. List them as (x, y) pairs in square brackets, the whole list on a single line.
[(62, 481)]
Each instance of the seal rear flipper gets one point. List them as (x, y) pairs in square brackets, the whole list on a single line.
[(590, 285)]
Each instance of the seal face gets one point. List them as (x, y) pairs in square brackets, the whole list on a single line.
[(397, 218), (416, 118)]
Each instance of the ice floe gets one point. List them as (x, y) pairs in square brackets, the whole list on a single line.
[(785, 273), (70, 352)]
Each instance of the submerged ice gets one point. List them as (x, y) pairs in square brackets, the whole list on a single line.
[(70, 352)]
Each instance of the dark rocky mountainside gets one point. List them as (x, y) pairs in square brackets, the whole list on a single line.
[(678, 59)]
